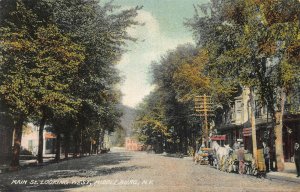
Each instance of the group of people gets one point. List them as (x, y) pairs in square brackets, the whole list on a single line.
[(266, 152), (296, 157), (240, 151)]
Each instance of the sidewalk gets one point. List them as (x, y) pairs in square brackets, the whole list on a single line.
[(47, 158), (289, 174), (32, 162)]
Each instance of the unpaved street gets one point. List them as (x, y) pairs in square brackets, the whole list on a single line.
[(134, 171)]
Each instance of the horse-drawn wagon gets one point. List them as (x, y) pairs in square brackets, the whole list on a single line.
[(203, 156), (227, 160)]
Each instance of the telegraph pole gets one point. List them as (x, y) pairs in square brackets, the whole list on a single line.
[(253, 124), (203, 108)]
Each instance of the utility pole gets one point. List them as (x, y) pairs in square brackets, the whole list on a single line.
[(203, 108), (253, 124)]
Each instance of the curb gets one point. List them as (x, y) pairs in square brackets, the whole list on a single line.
[(284, 178)]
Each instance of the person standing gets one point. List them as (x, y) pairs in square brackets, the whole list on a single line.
[(266, 156), (236, 145), (241, 159), (297, 158)]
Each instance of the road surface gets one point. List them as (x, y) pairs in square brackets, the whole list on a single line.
[(134, 171)]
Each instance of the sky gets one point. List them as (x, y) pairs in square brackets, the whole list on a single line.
[(163, 30)]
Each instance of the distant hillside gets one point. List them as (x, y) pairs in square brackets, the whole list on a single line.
[(128, 118)]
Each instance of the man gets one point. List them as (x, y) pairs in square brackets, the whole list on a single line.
[(297, 158), (236, 145), (266, 156), (241, 157)]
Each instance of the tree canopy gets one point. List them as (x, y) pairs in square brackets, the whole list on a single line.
[(57, 64)]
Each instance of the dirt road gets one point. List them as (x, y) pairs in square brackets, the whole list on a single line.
[(134, 171)]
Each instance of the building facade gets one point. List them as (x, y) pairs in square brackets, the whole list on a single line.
[(236, 125), (30, 140), (132, 144)]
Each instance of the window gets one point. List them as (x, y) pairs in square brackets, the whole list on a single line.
[(30, 145), (49, 144), (258, 109)]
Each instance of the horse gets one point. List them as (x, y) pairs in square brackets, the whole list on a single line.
[(221, 152)]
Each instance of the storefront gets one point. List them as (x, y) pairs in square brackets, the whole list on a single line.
[(291, 134)]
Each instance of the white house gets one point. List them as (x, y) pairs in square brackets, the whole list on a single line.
[(30, 140)]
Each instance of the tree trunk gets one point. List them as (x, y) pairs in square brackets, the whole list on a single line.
[(272, 149), (17, 142), (76, 140), (97, 142), (67, 141), (57, 153), (278, 133), (81, 143), (102, 139), (91, 146), (253, 124), (41, 140), (180, 140)]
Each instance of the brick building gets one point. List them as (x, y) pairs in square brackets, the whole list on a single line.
[(132, 144)]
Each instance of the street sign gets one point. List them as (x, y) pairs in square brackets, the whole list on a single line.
[(218, 138)]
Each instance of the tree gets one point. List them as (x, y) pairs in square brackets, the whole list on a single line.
[(150, 125), (52, 66), (281, 21), (57, 63), (246, 36), (16, 53), (103, 33), (56, 67), (165, 119)]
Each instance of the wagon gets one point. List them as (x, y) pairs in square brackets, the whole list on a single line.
[(203, 156), (252, 167)]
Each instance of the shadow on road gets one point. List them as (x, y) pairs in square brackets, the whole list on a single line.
[(174, 155), (67, 174)]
